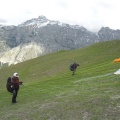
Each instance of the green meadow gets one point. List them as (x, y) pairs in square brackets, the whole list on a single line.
[(51, 92)]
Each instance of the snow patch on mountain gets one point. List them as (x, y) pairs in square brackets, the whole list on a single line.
[(42, 21), (21, 53)]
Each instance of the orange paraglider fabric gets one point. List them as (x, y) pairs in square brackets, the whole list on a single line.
[(117, 60)]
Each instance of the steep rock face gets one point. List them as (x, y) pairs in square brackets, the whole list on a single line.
[(21, 53), (48, 36), (105, 33), (53, 35)]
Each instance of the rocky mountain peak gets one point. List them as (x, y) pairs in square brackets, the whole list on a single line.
[(105, 29), (35, 21), (42, 18)]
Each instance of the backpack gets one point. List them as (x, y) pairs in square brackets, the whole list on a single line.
[(72, 67), (8, 85)]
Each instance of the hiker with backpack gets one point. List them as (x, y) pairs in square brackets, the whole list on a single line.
[(73, 67), (13, 86)]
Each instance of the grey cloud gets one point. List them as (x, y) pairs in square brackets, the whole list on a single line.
[(2, 20), (63, 4), (105, 4)]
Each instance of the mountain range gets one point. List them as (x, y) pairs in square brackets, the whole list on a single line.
[(40, 36)]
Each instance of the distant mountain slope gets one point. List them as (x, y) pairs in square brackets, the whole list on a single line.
[(58, 62), (49, 35)]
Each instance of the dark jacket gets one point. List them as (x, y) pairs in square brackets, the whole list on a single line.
[(15, 82), (73, 66)]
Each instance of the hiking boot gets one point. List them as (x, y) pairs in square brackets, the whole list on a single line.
[(13, 101)]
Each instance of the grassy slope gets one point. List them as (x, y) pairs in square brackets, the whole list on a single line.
[(51, 92)]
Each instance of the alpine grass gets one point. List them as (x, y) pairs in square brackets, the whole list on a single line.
[(51, 92)]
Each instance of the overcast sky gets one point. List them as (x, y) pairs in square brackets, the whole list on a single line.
[(91, 14)]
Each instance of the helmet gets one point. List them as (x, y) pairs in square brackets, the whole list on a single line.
[(15, 75)]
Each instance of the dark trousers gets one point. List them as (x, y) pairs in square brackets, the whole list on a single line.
[(15, 92)]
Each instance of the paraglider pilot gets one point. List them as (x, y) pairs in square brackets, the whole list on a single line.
[(73, 67), (15, 86)]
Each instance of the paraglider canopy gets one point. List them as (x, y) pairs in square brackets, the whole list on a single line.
[(117, 60), (118, 71)]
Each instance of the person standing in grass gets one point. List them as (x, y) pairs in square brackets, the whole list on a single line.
[(15, 86), (73, 67)]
